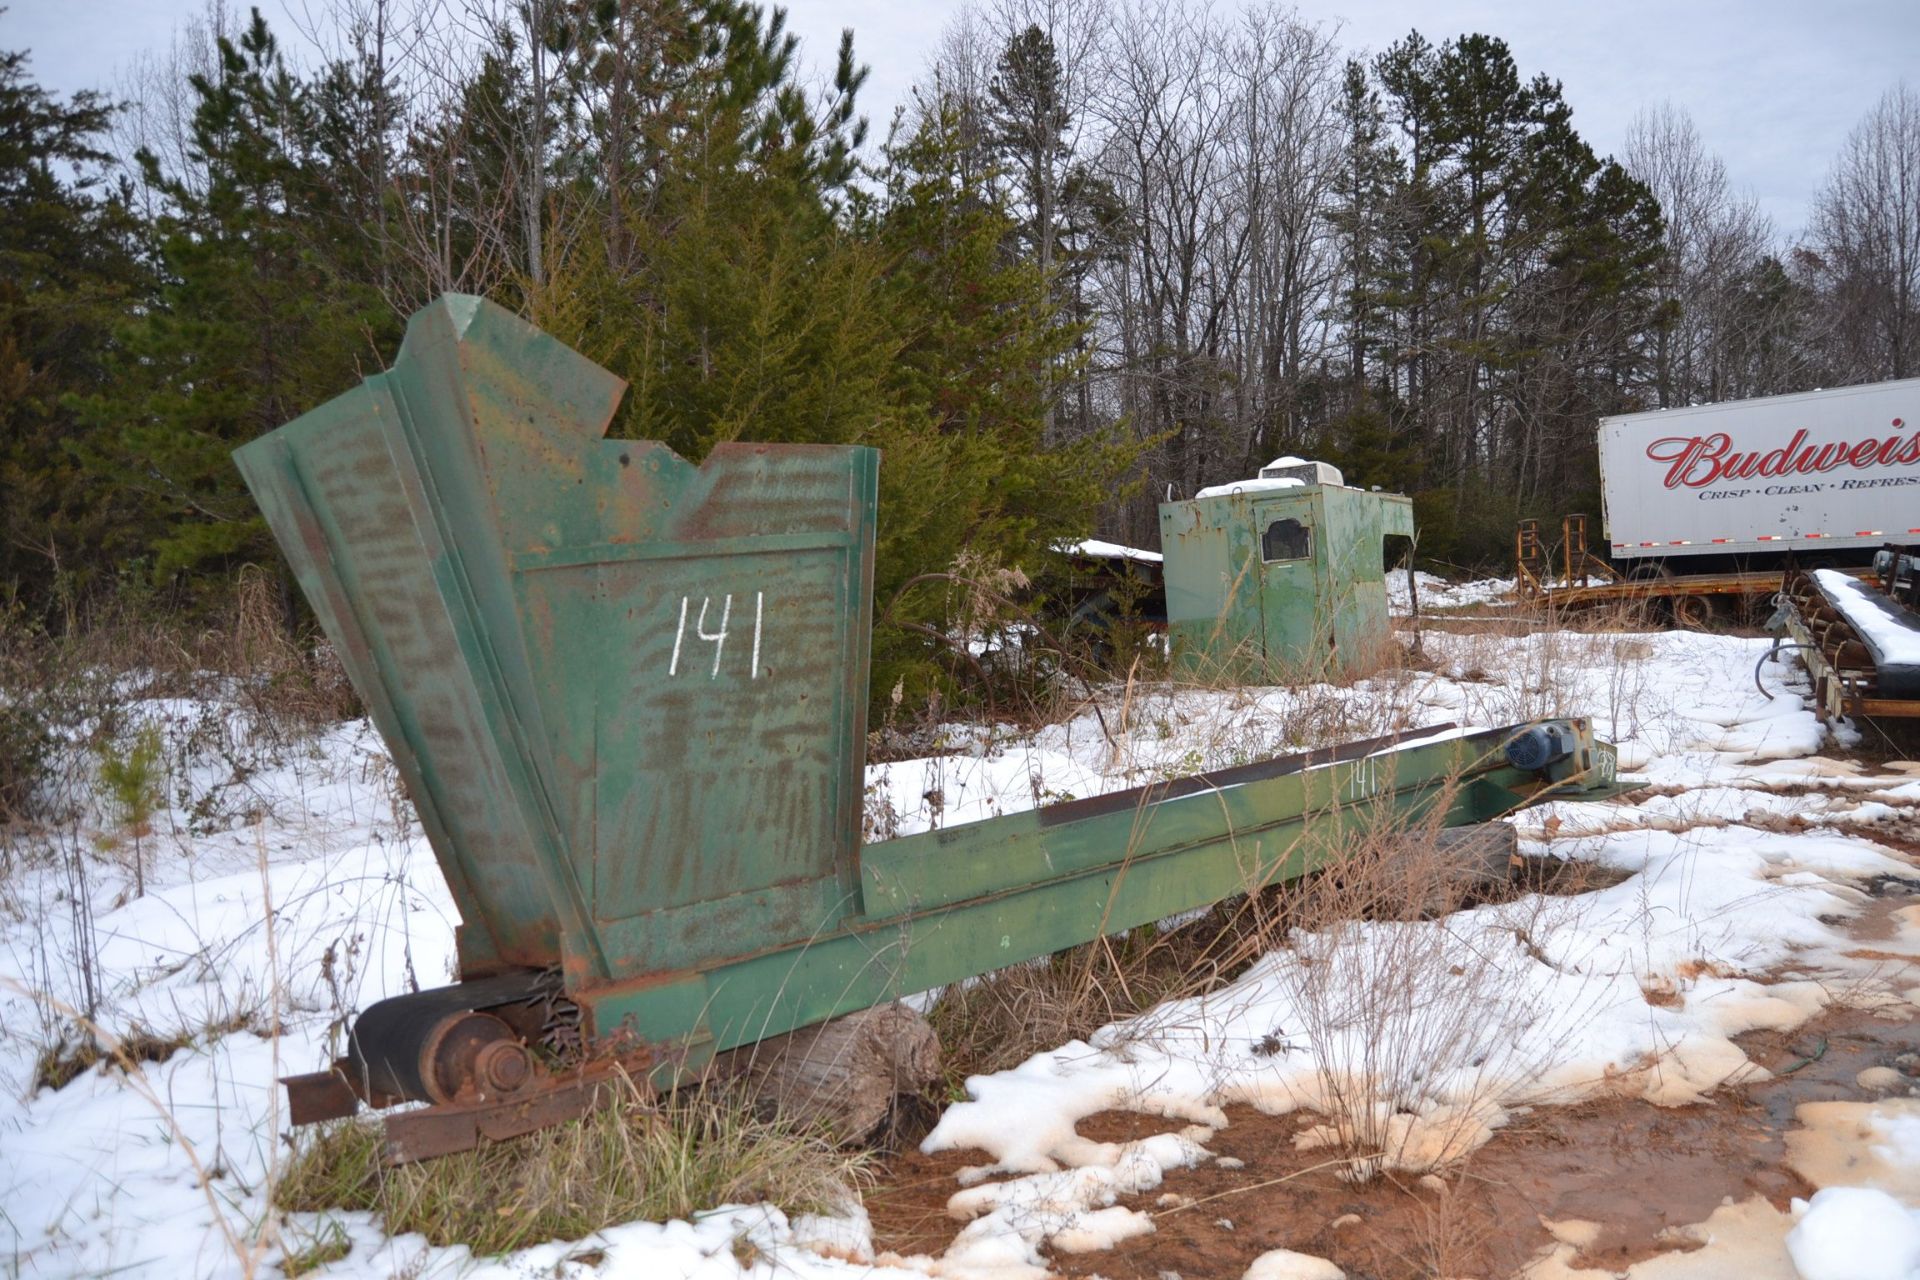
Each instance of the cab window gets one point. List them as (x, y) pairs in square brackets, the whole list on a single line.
[(1286, 540)]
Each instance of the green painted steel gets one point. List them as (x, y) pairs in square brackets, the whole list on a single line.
[(627, 696), (1279, 585), (945, 905)]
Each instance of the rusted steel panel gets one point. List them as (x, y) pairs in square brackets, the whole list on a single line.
[(320, 1095), (352, 531), (706, 689), (459, 1126), (627, 693)]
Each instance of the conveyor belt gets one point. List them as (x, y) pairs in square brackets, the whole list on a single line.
[(1889, 630), (1861, 648)]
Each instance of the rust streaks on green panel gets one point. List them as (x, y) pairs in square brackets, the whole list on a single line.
[(622, 687)]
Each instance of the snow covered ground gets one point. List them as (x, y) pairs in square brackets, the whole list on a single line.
[(288, 886), (1438, 594)]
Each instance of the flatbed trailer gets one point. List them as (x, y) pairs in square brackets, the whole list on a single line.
[(1586, 581), (1686, 597)]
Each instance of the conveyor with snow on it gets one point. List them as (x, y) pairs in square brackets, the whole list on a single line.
[(1890, 631), (1860, 644)]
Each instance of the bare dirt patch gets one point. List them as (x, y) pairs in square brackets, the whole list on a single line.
[(1638, 1170)]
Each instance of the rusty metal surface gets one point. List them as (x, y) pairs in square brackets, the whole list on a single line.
[(396, 1047), (1579, 567), (319, 1095), (1846, 681), (626, 693), (1649, 589), (1529, 558), (451, 1127)]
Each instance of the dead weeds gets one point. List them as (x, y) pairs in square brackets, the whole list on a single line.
[(636, 1159)]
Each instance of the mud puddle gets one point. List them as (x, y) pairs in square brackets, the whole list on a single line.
[(1640, 1171)]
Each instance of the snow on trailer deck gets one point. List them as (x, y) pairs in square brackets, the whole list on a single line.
[(1890, 631), (1741, 873)]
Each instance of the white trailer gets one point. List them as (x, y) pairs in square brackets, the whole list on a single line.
[(1807, 473)]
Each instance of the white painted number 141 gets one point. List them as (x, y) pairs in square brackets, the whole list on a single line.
[(718, 639)]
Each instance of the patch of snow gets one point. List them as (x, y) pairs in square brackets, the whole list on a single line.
[(1880, 622), (1285, 1264), (1854, 1233), (1732, 877), (1110, 551), (1437, 593), (1270, 485)]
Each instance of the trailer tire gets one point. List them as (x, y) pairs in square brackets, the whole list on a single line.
[(1692, 613)]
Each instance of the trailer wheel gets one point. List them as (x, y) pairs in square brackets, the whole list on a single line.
[(1692, 613)]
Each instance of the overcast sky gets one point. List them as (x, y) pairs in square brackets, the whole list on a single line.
[(1773, 85)]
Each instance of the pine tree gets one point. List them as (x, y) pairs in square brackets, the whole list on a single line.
[(1512, 289), (1064, 218), (1028, 116), (751, 294), (254, 320), (1362, 188), (971, 464), (67, 267)]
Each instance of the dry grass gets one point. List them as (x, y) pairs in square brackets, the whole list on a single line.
[(1416, 1024), (1384, 1014), (61, 1062), (77, 706), (1419, 1024), (704, 1148), (71, 687), (326, 1243), (1224, 727), (1397, 872), (1454, 1235), (632, 1160), (244, 1242), (1001, 1019)]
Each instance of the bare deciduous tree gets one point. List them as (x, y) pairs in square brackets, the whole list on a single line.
[(157, 90), (1715, 239), (1866, 238)]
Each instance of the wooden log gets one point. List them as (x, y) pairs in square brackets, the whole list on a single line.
[(842, 1075), (1465, 861), (1484, 851)]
